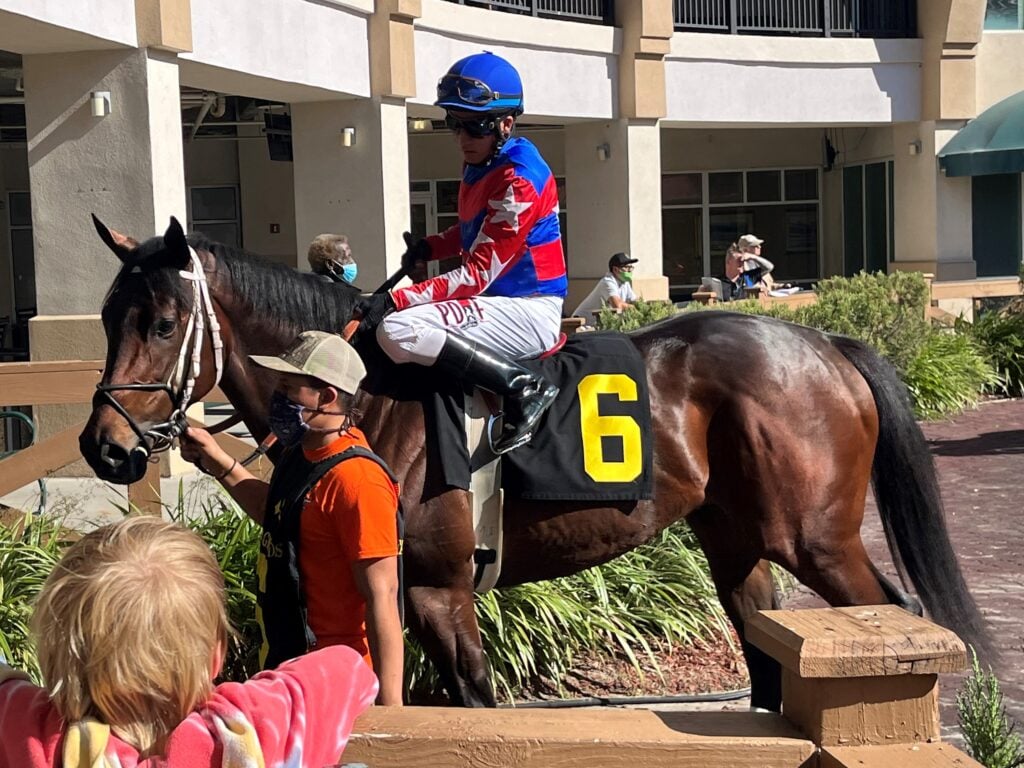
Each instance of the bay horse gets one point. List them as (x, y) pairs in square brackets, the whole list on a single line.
[(766, 437)]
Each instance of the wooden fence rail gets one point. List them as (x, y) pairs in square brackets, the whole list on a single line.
[(859, 689), (71, 382)]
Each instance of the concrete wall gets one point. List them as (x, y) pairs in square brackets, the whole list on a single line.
[(1000, 67), (721, 149), (741, 79), (292, 50), (435, 156), (268, 198), (45, 26), (583, 56)]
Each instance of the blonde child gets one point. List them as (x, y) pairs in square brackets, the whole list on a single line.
[(131, 630)]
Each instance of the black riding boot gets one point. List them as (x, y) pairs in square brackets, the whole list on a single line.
[(526, 394)]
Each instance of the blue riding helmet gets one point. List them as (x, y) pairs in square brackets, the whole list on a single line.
[(482, 82)]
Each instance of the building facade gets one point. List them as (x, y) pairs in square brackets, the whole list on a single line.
[(673, 126)]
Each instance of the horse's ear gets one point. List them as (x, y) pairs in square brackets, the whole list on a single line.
[(175, 243), (121, 245)]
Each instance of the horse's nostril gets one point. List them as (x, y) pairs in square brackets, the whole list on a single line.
[(113, 455)]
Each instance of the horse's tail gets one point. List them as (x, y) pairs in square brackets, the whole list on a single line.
[(907, 492)]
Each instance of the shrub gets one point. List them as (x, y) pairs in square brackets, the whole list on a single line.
[(885, 310), (234, 539), (29, 550), (640, 314), (947, 374), (1000, 335), (659, 590), (987, 729)]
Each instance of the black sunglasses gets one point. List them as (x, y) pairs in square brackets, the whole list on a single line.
[(478, 127)]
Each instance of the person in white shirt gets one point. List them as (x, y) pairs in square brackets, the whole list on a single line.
[(615, 289)]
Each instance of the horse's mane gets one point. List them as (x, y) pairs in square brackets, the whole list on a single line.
[(294, 301)]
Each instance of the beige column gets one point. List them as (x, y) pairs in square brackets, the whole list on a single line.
[(359, 187), (360, 190), (126, 167), (933, 213), (613, 184)]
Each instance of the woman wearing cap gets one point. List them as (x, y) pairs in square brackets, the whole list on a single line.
[(333, 580), (756, 268), (615, 289), (504, 303)]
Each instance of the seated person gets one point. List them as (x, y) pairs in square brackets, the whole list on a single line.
[(756, 269), (131, 630), (739, 276), (331, 257), (615, 289)]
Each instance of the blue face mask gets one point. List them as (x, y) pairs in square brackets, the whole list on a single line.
[(348, 273), (286, 420)]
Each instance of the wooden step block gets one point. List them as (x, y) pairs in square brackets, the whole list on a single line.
[(866, 641), (896, 756), (428, 737), (859, 676)]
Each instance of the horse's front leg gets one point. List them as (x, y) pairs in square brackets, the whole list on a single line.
[(443, 619)]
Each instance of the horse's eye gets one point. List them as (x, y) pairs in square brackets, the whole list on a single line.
[(164, 328)]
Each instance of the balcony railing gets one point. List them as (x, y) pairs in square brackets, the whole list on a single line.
[(828, 18), (590, 11)]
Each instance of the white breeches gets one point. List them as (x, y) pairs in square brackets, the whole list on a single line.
[(517, 328)]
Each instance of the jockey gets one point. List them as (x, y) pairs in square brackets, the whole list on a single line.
[(504, 303)]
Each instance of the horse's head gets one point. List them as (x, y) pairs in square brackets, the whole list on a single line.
[(154, 318)]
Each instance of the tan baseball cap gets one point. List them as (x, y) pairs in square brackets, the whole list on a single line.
[(749, 241), (325, 356)]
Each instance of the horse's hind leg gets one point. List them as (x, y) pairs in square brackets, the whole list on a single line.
[(896, 595), (745, 586), (443, 619), (835, 564)]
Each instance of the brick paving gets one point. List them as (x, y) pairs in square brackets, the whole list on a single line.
[(980, 460)]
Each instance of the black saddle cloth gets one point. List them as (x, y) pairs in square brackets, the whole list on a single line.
[(593, 444)]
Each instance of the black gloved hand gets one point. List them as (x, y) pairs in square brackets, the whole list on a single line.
[(415, 251), (372, 310)]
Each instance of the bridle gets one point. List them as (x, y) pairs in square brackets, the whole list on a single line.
[(181, 383)]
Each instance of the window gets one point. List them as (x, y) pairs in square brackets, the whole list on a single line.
[(867, 217), (1004, 14), (996, 224), (447, 204), (214, 212), (704, 213), (682, 227), (23, 266)]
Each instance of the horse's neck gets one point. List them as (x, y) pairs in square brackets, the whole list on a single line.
[(250, 394)]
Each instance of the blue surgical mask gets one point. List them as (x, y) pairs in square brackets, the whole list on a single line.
[(286, 420), (348, 273)]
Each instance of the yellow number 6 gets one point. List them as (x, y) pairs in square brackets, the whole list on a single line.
[(594, 426)]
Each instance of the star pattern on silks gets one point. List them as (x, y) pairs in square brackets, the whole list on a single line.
[(508, 209)]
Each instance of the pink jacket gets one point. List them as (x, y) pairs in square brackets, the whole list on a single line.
[(299, 715)]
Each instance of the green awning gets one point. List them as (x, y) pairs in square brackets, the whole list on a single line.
[(993, 142)]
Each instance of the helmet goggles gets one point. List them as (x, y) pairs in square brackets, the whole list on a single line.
[(470, 91)]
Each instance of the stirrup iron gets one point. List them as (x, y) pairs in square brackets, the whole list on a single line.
[(523, 439)]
